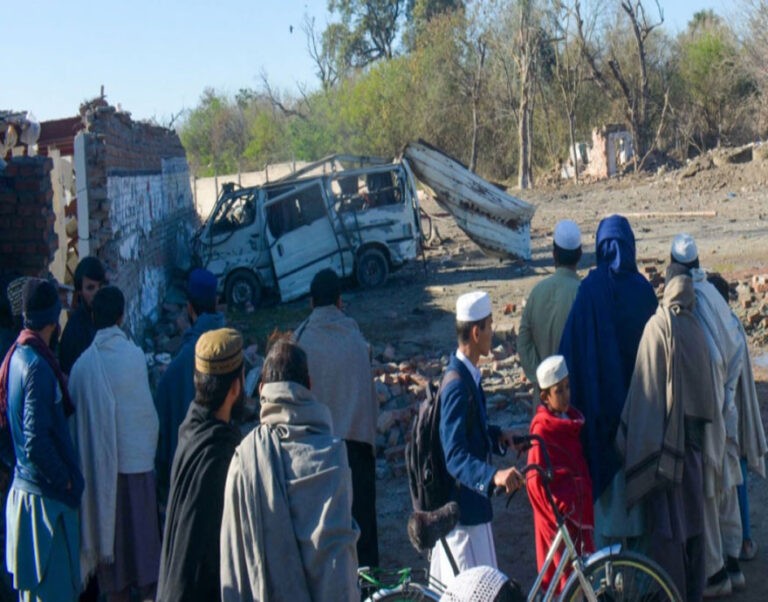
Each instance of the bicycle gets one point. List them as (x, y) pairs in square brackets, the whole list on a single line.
[(609, 574), (397, 585)]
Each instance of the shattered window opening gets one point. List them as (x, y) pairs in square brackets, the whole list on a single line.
[(238, 212), (368, 190), (296, 210)]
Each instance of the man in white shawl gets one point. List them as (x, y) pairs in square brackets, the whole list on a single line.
[(340, 370), (116, 438), (287, 532), (736, 430)]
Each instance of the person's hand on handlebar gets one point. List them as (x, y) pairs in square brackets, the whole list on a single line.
[(509, 479)]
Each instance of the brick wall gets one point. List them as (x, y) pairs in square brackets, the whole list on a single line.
[(140, 206), (27, 239)]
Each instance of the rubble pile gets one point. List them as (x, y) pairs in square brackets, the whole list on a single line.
[(752, 307), (748, 300), (401, 385)]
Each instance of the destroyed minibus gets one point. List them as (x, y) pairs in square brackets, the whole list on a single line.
[(356, 215)]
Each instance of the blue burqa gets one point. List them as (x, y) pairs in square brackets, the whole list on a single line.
[(600, 343)]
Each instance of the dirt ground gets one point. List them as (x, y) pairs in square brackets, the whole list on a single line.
[(413, 312)]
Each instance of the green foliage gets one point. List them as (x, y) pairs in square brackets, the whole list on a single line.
[(459, 75), (712, 80), (369, 29)]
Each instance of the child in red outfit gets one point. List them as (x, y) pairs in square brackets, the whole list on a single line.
[(559, 425)]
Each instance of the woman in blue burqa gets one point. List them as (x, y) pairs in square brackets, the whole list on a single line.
[(600, 343)]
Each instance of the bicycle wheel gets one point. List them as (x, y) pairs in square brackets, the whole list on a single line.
[(624, 577), (403, 593)]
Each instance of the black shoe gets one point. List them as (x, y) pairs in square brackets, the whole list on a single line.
[(738, 581), (718, 585)]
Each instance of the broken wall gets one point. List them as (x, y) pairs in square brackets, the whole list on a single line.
[(140, 211), (27, 238), (611, 149)]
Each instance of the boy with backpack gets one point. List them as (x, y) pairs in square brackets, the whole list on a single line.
[(559, 425), (467, 442)]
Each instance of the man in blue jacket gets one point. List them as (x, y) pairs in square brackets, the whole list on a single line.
[(176, 388), (468, 441), (42, 548)]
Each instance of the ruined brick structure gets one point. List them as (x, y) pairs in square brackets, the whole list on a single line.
[(27, 239), (140, 209), (611, 150), (135, 210)]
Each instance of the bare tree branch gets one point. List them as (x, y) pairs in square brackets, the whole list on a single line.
[(656, 138), (276, 102)]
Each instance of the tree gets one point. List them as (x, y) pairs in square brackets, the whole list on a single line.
[(518, 41), (419, 13), (625, 80), (369, 29), (755, 16), (569, 67), (324, 50), (212, 134), (715, 84)]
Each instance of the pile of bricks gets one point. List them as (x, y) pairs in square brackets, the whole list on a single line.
[(27, 239), (401, 385), (752, 307), (748, 300)]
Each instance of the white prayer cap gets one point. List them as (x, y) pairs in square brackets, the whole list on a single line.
[(567, 235), (478, 584), (473, 306), (684, 248), (551, 371)]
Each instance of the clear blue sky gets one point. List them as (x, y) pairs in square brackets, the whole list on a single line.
[(155, 58)]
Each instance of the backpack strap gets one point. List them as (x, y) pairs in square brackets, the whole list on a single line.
[(449, 555), (450, 376)]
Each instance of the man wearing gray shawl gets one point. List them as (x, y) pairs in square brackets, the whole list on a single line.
[(287, 531), (735, 431), (660, 437)]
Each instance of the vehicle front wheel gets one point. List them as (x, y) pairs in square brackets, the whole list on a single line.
[(243, 288), (372, 268)]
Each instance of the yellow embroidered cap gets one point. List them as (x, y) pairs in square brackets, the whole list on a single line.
[(219, 351)]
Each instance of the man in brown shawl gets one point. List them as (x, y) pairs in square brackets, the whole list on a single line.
[(661, 433)]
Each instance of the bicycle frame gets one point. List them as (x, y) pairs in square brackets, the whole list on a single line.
[(570, 556)]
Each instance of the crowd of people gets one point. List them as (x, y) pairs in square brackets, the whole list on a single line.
[(100, 468), (666, 402), (648, 410)]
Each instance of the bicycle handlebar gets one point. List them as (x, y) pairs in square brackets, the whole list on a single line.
[(525, 441), (546, 472)]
